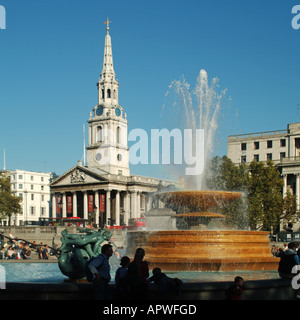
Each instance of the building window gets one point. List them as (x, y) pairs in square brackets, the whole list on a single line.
[(32, 211), (31, 186), (99, 134), (43, 197), (244, 146), (108, 93), (43, 211), (243, 159), (256, 157), (282, 155), (32, 196), (269, 144), (31, 178), (282, 142), (269, 156), (20, 176), (20, 186), (42, 179), (256, 145)]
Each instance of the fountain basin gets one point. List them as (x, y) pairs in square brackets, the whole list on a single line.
[(197, 200), (194, 250)]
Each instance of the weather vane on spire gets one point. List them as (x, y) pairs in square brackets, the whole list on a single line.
[(107, 22)]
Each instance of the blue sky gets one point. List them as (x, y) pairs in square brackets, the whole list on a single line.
[(51, 55)]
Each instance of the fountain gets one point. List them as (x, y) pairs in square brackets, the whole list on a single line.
[(198, 248)]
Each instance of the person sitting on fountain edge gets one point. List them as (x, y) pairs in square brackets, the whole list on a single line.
[(164, 283), (101, 273), (288, 260)]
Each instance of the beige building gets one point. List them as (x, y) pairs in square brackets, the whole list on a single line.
[(34, 189), (280, 146), (104, 191)]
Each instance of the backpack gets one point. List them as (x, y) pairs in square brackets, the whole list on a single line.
[(88, 272)]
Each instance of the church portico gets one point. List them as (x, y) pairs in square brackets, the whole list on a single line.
[(102, 199)]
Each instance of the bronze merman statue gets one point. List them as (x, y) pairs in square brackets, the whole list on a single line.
[(77, 249)]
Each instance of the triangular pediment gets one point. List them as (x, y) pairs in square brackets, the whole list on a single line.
[(79, 175)]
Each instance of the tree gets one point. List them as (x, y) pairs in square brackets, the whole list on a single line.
[(261, 205), (226, 176), (265, 202), (290, 213), (9, 203)]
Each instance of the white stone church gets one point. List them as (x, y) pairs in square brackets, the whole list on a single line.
[(103, 191)]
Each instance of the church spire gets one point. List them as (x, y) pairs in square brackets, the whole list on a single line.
[(108, 68)]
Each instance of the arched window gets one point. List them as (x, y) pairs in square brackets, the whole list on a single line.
[(118, 135), (108, 93), (99, 134)]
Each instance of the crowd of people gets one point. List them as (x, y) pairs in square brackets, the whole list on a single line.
[(14, 248), (277, 251), (131, 278)]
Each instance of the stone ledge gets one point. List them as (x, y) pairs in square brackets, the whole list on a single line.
[(273, 289)]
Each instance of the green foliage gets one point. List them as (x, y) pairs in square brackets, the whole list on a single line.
[(9, 203), (290, 212), (262, 205), (264, 195)]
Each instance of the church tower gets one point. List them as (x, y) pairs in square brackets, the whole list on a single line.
[(108, 148)]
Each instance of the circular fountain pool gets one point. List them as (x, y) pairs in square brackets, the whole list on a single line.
[(50, 273)]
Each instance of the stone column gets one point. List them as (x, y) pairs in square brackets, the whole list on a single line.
[(297, 189), (53, 206), (108, 215), (74, 204), (126, 208), (284, 190), (133, 204), (64, 206), (97, 207), (138, 205), (85, 205), (117, 206)]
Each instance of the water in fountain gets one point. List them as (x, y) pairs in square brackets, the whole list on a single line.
[(201, 108)]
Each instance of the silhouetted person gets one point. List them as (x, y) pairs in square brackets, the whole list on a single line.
[(138, 272)]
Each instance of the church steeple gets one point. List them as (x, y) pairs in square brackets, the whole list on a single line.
[(108, 86), (108, 146)]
